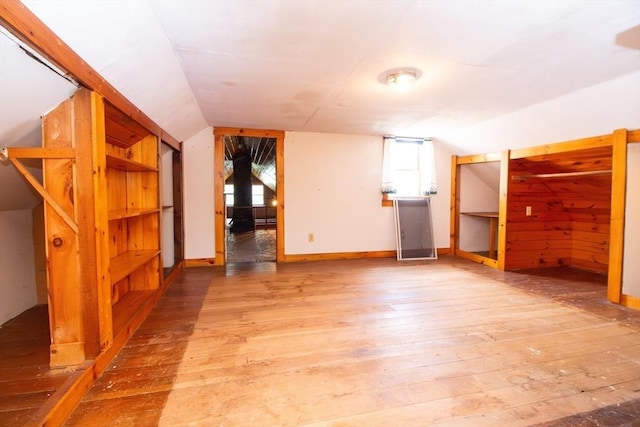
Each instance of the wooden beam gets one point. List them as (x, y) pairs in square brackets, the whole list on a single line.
[(561, 147), (37, 153), (454, 205), (479, 158), (23, 24), (256, 133), (502, 209), (560, 175), (62, 244), (50, 199), (618, 198)]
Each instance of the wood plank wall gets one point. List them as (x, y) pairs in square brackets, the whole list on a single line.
[(542, 239), (570, 215)]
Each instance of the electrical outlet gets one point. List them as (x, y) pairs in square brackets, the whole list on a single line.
[(528, 211), (311, 237)]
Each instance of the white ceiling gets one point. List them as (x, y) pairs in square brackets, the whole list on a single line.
[(313, 65), (317, 65)]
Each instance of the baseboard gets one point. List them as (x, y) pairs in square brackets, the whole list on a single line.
[(629, 301), (349, 255), (210, 262), (200, 262)]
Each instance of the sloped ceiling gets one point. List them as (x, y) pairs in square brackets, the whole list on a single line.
[(27, 90), (318, 65)]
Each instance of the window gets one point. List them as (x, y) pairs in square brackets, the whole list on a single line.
[(257, 195), (408, 167)]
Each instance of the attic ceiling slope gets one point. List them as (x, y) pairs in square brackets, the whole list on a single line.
[(317, 65), (124, 42)]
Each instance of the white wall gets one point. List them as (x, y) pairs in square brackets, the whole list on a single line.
[(199, 229), (332, 182), (17, 265), (332, 189), (630, 265), (476, 196), (596, 110)]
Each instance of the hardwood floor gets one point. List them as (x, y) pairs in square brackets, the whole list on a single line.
[(375, 342)]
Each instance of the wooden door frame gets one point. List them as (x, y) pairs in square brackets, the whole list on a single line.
[(454, 224), (218, 184)]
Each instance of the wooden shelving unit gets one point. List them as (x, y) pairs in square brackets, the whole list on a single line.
[(133, 200), (102, 226)]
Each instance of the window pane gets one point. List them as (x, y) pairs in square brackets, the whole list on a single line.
[(408, 183), (406, 156), (228, 194), (257, 196)]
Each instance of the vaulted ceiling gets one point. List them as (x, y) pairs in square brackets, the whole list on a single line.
[(319, 66), (314, 65)]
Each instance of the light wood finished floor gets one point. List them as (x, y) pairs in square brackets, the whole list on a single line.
[(375, 343)]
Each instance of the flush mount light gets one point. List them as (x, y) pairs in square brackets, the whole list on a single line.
[(402, 79)]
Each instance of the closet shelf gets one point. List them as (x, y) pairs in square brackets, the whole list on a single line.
[(128, 165), (128, 262), (130, 213), (559, 175)]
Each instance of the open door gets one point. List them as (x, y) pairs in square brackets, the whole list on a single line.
[(229, 139)]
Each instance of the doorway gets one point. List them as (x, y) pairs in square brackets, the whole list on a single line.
[(249, 188)]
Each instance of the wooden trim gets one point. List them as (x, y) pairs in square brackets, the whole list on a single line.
[(477, 258), (616, 228), (257, 133), (351, 255), (200, 262), (561, 147), (23, 24), (173, 274), (280, 197), (633, 136), (454, 205), (479, 158), (37, 153), (59, 406), (220, 226), (218, 199), (502, 210), (339, 256), (630, 301)]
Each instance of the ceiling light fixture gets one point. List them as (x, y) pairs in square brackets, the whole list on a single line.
[(402, 79)]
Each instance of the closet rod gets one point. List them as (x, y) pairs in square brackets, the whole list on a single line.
[(559, 175)]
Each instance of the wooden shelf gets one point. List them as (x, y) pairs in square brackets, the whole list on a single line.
[(128, 165), (130, 213), (128, 262), (126, 308)]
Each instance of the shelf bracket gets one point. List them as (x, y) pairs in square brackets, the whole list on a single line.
[(5, 153)]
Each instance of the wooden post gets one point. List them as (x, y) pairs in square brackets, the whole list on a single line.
[(454, 210), (91, 213), (616, 228), (62, 245), (502, 209)]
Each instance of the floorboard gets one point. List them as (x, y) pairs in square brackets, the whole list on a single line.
[(376, 342)]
